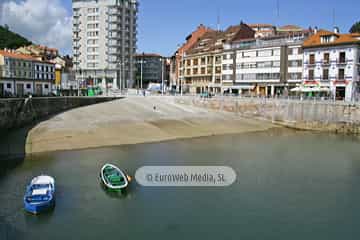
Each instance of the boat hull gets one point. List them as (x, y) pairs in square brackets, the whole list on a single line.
[(39, 207)]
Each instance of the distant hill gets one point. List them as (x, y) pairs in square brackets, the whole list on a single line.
[(11, 40)]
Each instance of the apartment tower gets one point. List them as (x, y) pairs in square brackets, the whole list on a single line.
[(104, 42)]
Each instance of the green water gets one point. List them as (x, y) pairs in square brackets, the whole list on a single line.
[(290, 186)]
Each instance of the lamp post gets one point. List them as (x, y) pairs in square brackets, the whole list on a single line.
[(162, 76), (106, 83)]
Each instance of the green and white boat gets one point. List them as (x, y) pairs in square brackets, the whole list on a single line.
[(113, 178)]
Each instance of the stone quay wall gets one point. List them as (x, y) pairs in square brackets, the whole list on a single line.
[(16, 113), (339, 117)]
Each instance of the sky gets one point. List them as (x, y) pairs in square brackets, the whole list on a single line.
[(164, 24)]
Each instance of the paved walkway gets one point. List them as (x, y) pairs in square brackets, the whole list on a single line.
[(131, 121)]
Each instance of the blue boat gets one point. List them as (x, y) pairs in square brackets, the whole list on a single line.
[(40, 195)]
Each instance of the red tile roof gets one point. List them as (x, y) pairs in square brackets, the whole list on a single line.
[(17, 55), (340, 39)]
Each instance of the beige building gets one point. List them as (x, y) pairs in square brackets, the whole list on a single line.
[(202, 67), (22, 75)]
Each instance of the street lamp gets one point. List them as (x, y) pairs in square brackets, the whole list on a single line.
[(162, 76)]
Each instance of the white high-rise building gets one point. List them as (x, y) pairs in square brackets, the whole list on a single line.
[(104, 42)]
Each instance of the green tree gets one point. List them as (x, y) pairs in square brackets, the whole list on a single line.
[(355, 28), (11, 40)]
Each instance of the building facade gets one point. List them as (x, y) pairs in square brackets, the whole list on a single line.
[(332, 63), (178, 58), (201, 67), (104, 42), (263, 67), (22, 75), (150, 68)]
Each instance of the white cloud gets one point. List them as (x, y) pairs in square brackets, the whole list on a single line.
[(44, 22)]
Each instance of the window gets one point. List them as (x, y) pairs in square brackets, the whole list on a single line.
[(325, 74), (266, 53), (227, 77), (296, 63), (93, 34), (326, 58), (92, 41), (227, 67), (93, 10), (28, 86), (276, 52), (188, 63), (311, 74), (92, 49), (93, 26), (217, 70), (203, 61), (342, 57), (276, 64), (203, 70), (46, 86), (341, 74), (264, 64), (312, 59), (196, 62), (8, 86), (218, 59)]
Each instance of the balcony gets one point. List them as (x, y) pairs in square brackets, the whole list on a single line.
[(76, 23), (114, 53), (114, 12), (77, 15), (114, 44), (76, 38), (76, 30), (342, 61), (113, 20), (325, 79), (117, 36), (77, 46), (310, 64), (326, 63)]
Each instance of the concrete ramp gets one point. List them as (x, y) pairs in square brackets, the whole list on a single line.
[(131, 121)]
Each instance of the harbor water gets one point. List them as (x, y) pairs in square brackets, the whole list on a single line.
[(290, 185)]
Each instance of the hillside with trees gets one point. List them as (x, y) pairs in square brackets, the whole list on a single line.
[(11, 40), (355, 28)]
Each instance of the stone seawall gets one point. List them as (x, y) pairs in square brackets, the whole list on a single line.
[(15, 113), (337, 117)]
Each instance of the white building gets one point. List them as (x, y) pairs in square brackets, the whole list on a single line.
[(265, 67), (331, 61), (104, 42)]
